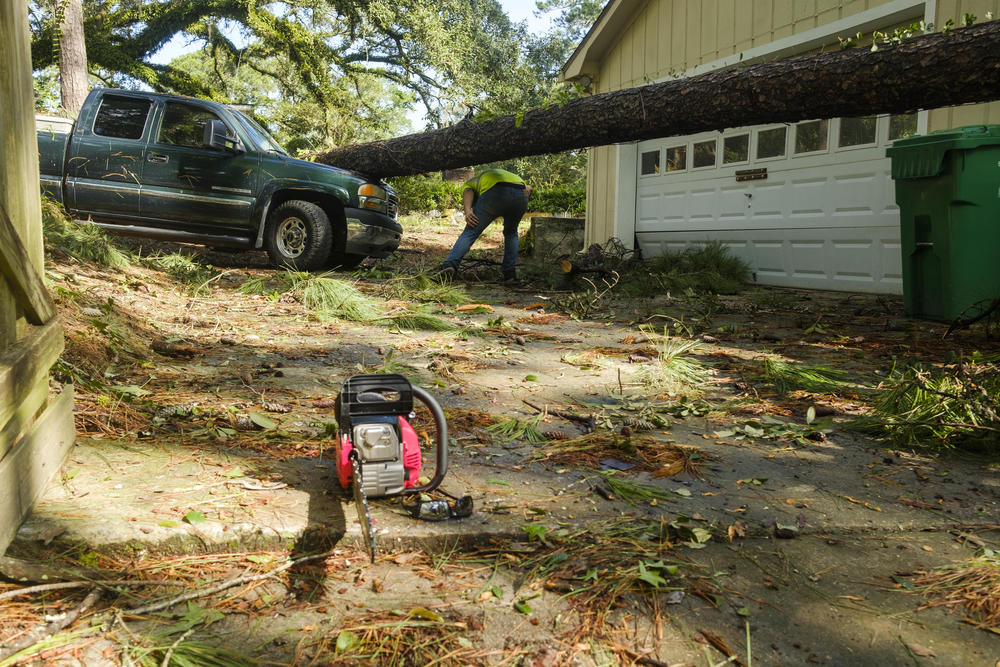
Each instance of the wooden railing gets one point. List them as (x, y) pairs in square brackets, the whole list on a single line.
[(35, 433)]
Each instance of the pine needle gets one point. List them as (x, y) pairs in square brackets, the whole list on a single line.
[(939, 407), (787, 376), (416, 318), (674, 372), (422, 288), (329, 298), (86, 242)]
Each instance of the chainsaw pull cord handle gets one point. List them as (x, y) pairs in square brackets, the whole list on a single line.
[(442, 441)]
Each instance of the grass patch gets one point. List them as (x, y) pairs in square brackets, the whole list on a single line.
[(939, 407), (709, 268), (787, 376), (86, 242)]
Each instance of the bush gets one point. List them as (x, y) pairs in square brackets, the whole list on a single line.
[(418, 194), (426, 193), (559, 200), (709, 268)]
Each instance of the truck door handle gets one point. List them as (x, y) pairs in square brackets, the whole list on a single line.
[(158, 158)]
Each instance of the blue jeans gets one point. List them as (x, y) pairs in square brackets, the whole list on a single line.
[(500, 201)]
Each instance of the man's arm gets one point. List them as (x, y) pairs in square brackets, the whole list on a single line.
[(468, 196)]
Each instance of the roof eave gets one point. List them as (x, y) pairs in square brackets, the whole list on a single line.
[(606, 29)]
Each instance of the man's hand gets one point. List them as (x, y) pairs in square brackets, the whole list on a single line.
[(527, 191), (470, 218)]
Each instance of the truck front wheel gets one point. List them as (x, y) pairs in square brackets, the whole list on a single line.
[(298, 236)]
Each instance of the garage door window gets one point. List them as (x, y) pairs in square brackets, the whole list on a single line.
[(736, 149), (676, 158), (811, 136), (704, 154), (857, 131), (650, 163), (902, 126), (771, 143)]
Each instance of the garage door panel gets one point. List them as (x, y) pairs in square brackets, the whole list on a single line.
[(826, 220)]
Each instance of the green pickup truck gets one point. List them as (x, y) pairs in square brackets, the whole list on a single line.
[(183, 169)]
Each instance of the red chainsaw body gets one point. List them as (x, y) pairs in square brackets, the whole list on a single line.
[(411, 456)]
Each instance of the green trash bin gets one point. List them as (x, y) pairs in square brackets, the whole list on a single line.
[(948, 192)]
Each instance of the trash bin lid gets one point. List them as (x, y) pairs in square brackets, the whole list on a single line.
[(922, 156)]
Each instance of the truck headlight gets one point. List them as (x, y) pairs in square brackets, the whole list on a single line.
[(373, 198)]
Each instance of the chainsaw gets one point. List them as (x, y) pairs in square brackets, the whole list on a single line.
[(378, 451)]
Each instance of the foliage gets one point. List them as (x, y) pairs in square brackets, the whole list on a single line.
[(708, 268), (427, 193), (786, 376), (329, 298), (939, 407), (423, 288), (559, 200), (450, 55), (674, 372), (180, 268), (86, 242), (419, 318)]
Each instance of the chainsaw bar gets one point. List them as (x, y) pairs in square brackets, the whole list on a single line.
[(361, 505)]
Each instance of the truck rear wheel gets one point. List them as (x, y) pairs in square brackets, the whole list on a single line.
[(298, 236)]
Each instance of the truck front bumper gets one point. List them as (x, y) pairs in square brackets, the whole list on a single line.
[(371, 234)]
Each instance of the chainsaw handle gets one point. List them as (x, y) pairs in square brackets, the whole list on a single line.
[(442, 441)]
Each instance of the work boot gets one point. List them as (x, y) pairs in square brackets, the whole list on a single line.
[(510, 278), (447, 271)]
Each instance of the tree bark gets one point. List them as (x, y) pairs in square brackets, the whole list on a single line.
[(73, 75), (936, 70)]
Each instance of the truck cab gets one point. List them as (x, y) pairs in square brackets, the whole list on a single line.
[(185, 169)]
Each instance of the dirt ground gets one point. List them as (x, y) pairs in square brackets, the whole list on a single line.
[(622, 517)]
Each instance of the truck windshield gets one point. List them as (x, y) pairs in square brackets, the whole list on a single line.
[(259, 135)]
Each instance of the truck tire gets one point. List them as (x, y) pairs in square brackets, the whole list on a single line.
[(298, 236)]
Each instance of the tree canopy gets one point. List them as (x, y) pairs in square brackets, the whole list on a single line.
[(451, 56)]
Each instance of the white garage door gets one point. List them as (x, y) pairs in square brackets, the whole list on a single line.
[(806, 205)]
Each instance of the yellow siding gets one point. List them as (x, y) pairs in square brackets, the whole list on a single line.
[(670, 36), (942, 119), (601, 180)]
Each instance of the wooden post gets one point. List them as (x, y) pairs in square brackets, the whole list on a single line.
[(35, 432)]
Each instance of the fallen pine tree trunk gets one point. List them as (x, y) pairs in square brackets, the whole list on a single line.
[(935, 70)]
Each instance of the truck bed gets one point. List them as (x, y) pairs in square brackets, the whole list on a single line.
[(53, 136)]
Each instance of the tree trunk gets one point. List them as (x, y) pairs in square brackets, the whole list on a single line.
[(73, 74), (924, 72)]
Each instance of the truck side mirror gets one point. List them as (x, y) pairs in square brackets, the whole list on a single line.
[(217, 136)]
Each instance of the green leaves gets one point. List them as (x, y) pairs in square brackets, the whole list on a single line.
[(651, 577), (535, 531)]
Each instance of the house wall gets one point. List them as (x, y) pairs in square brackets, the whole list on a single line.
[(669, 37), (968, 114)]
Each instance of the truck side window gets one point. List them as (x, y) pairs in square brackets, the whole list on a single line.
[(184, 125), (121, 117)]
